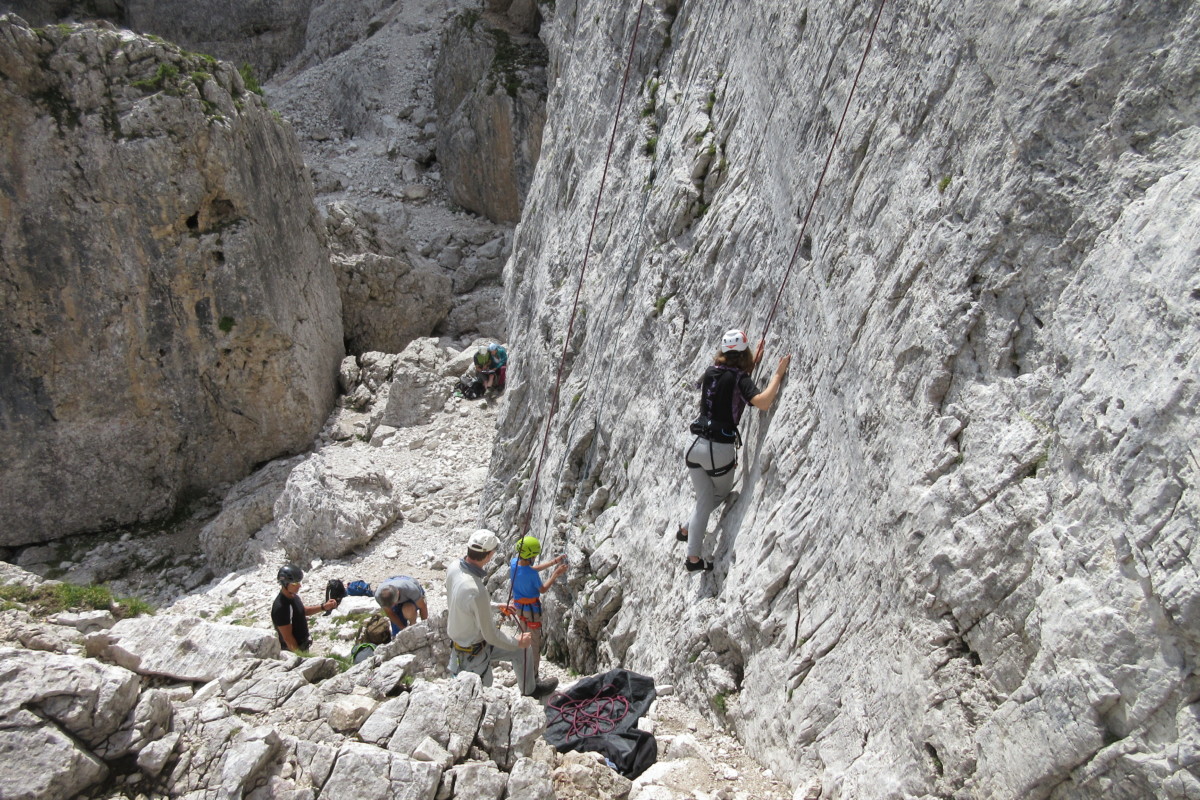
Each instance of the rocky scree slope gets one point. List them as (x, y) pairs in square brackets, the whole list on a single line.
[(171, 319), (961, 563)]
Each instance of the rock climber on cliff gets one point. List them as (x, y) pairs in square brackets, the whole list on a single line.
[(725, 389), (474, 638), (289, 615)]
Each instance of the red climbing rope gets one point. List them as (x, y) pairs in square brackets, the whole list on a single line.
[(582, 270), (825, 169), (590, 716)]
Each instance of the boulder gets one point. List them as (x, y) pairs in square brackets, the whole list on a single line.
[(390, 295), (183, 648), (370, 773), (147, 723), (530, 780), (40, 762), (417, 388), (86, 699), (448, 711), (245, 509), (479, 781), (334, 501), (347, 714), (582, 776), (169, 324)]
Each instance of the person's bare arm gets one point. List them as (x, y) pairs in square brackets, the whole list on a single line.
[(289, 639), (766, 397), (554, 576), (395, 618)]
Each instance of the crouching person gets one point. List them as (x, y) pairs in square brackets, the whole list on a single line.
[(474, 638), (403, 600), (289, 615)]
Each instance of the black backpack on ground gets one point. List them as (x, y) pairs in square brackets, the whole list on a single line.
[(334, 590), (470, 387)]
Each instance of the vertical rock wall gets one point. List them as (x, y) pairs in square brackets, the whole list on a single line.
[(170, 317), (961, 562)]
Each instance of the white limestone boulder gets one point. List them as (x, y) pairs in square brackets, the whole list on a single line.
[(89, 700), (183, 648), (371, 773)]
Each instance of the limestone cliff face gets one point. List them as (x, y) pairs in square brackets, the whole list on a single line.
[(170, 317), (490, 89), (963, 558)]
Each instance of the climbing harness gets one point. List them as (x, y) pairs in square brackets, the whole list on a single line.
[(590, 716)]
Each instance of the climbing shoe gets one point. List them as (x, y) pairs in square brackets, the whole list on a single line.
[(697, 566), (545, 687), (681, 534)]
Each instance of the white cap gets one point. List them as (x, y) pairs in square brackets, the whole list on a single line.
[(734, 340), (483, 541)]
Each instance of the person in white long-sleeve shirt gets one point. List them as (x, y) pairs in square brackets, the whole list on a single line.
[(475, 640)]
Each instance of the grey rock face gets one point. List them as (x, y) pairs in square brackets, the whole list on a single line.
[(184, 648), (245, 509), (389, 296), (961, 560), (168, 323), (87, 699), (40, 762), (490, 90), (265, 34)]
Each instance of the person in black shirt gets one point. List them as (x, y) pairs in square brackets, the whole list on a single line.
[(289, 615), (726, 388)]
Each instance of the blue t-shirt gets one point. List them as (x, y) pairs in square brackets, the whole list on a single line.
[(526, 582)]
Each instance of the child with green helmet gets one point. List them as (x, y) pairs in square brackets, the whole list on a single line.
[(527, 589)]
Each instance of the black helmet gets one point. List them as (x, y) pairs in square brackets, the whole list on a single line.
[(289, 573)]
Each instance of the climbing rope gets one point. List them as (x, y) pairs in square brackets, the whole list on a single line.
[(579, 285), (591, 716), (821, 180)]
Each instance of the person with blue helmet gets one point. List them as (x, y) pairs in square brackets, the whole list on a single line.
[(491, 364)]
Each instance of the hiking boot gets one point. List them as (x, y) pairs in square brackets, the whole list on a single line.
[(682, 533), (697, 566), (544, 688)]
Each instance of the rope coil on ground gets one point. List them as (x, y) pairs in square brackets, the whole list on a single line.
[(591, 716)]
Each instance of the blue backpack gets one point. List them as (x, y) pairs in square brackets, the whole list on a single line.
[(359, 589)]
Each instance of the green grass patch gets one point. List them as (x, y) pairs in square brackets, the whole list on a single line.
[(720, 702), (661, 303), (651, 146), (944, 184), (52, 599), (226, 324), (344, 662), (165, 74), (252, 84)]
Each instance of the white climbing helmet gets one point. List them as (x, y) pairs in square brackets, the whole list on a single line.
[(734, 341), (483, 541)]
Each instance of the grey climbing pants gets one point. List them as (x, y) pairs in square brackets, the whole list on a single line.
[(481, 665), (710, 490)]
